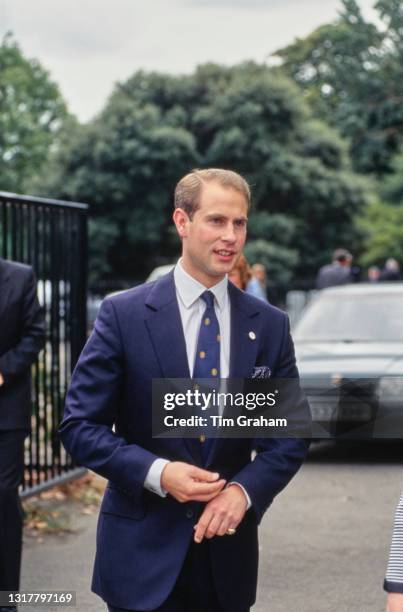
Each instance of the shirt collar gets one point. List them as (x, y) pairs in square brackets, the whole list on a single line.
[(189, 289)]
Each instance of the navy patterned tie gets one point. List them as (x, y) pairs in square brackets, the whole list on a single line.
[(207, 362)]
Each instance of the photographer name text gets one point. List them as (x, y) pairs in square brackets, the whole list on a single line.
[(216, 420)]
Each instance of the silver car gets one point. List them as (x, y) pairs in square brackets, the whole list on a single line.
[(349, 347)]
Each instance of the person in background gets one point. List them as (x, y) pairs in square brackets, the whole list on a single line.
[(391, 271), (22, 335), (336, 273), (240, 274), (257, 284), (373, 274)]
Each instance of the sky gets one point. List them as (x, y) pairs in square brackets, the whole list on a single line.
[(89, 45)]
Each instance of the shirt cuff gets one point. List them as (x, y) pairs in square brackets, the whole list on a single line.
[(152, 481), (248, 499)]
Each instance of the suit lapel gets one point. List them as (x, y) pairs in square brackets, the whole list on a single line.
[(164, 325), (245, 334), (5, 285)]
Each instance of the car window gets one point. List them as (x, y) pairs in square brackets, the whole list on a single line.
[(352, 318)]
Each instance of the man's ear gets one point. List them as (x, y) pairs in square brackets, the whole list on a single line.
[(181, 220)]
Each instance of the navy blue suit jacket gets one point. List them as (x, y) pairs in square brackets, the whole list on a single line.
[(22, 335), (142, 538)]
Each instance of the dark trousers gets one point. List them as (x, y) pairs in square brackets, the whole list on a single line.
[(11, 514), (194, 591)]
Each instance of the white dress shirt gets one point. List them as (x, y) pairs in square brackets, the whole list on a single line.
[(191, 309)]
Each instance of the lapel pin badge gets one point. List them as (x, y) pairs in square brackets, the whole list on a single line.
[(252, 335)]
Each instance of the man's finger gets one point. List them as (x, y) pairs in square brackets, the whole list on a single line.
[(224, 526), (213, 526), (205, 488), (203, 498), (200, 528), (203, 475)]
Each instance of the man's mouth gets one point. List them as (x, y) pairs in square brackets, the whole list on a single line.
[(224, 254)]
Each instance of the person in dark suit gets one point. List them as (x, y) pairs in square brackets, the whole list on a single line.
[(21, 339), (336, 273), (178, 523), (391, 271)]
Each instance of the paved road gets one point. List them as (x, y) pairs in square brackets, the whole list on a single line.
[(325, 540), (324, 543), (63, 563)]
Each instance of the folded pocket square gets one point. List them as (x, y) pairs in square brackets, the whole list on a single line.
[(261, 372)]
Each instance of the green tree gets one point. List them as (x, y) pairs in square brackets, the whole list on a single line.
[(382, 227), (124, 165), (156, 127), (32, 114), (270, 242), (391, 188), (352, 74), (382, 221)]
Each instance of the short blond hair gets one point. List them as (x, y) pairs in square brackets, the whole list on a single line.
[(187, 191)]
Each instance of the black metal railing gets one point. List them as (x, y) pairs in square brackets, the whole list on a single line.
[(51, 236)]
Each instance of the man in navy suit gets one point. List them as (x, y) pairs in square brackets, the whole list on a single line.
[(22, 335), (178, 523)]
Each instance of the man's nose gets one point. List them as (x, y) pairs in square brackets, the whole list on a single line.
[(229, 234)]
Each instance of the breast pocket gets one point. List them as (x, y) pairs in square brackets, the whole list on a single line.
[(117, 503)]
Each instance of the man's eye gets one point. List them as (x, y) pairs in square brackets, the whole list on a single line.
[(240, 223), (216, 221)]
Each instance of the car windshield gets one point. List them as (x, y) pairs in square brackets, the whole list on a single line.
[(352, 318)]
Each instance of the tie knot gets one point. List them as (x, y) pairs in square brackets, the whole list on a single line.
[(208, 297)]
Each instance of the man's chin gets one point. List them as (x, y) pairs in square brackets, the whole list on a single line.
[(218, 275), (223, 267), (215, 275)]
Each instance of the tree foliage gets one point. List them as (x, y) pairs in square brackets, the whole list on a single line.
[(352, 74), (157, 127), (382, 227), (32, 113), (391, 188), (382, 221)]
